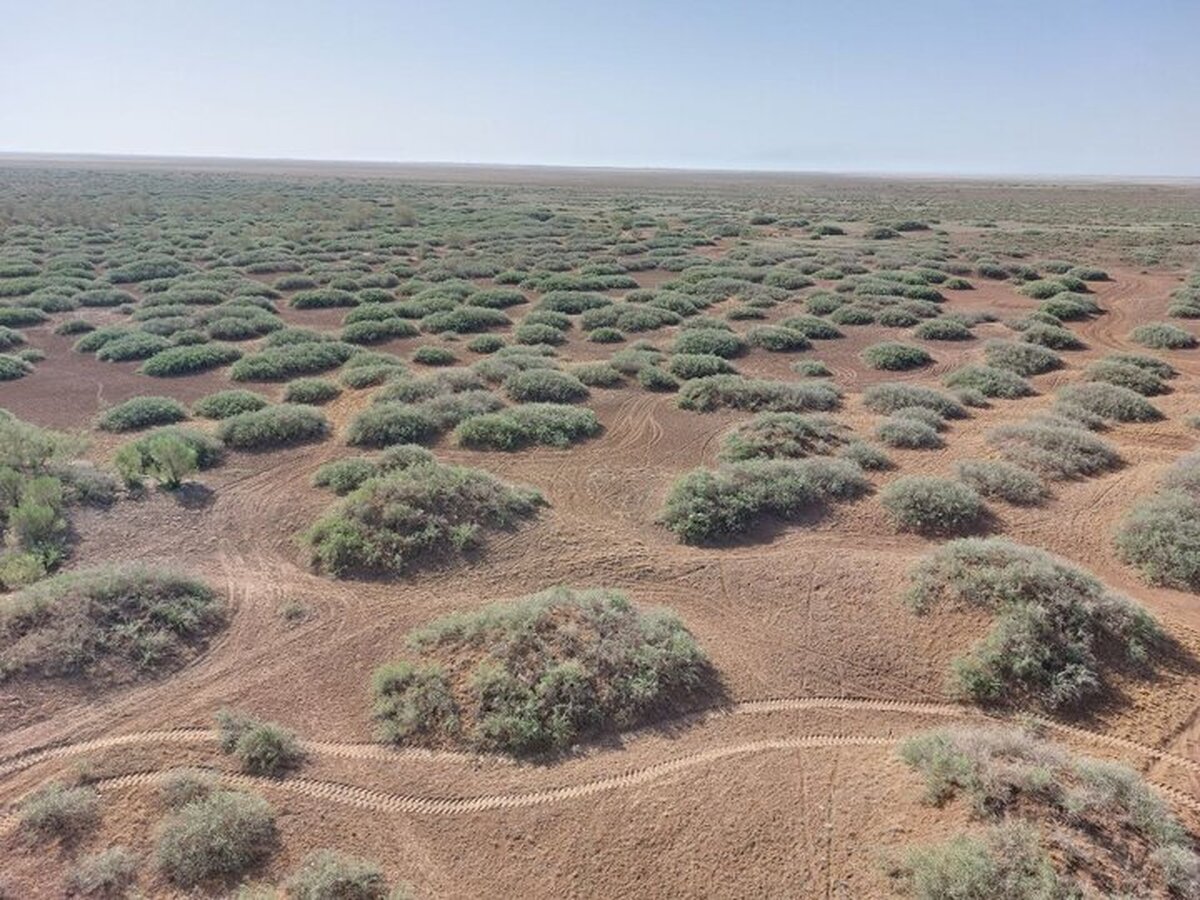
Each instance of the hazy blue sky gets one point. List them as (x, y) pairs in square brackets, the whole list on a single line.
[(966, 86)]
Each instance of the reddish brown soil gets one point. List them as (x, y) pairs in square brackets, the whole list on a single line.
[(761, 800)]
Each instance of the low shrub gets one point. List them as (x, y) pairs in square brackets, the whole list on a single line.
[(224, 404), (109, 873), (545, 386), (1022, 358), (273, 426), (290, 360), (605, 336), (994, 478), (705, 505), (812, 368), (413, 516), (905, 433), (686, 366), (430, 355), (777, 339), (1006, 862), (344, 475), (142, 412), (60, 811), (1056, 450), (310, 391), (136, 457), (550, 424), (812, 327), (894, 357), (138, 345), (326, 875), (464, 320), (1054, 337), (323, 298), (375, 331), (989, 381), (600, 374), (932, 505), (891, 396), (485, 343), (222, 835), (1162, 336), (942, 330), (652, 378), (1054, 622), (710, 341), (753, 394), (535, 333), (13, 367), (189, 360), (106, 623), (598, 663), (1161, 537), (388, 423), (784, 436), (1108, 401), (261, 748)]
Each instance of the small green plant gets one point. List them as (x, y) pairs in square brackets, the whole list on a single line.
[(142, 412), (1022, 358), (326, 875), (310, 391), (222, 835), (273, 426), (189, 360), (1163, 336), (109, 873), (907, 433), (545, 386), (430, 355), (890, 396), (1055, 449), (932, 505), (753, 394), (60, 811), (261, 748), (1002, 480), (1109, 401), (224, 404), (551, 424), (894, 357), (990, 381)]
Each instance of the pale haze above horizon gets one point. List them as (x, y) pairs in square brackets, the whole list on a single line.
[(956, 87)]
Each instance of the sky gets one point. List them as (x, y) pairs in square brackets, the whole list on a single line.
[(1052, 87)]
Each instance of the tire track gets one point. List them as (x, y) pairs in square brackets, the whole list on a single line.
[(384, 752)]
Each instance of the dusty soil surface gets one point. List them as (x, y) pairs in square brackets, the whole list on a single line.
[(792, 789)]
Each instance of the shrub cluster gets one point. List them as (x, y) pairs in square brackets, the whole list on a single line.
[(932, 505), (550, 424), (1055, 624), (142, 412), (273, 426), (755, 394), (1161, 534), (537, 674)]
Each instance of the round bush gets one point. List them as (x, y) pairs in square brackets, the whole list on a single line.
[(189, 360), (698, 365), (219, 836), (994, 478), (311, 391), (990, 381), (942, 330), (430, 355), (908, 434), (1022, 358), (710, 341), (1161, 537), (273, 426), (931, 505), (545, 386), (224, 404), (777, 339), (142, 412), (1162, 336), (1109, 401), (895, 357)]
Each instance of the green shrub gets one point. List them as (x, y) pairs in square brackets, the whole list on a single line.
[(1109, 401), (109, 873), (286, 361), (812, 327), (167, 457), (599, 374), (138, 345), (706, 505), (273, 426), (388, 423), (686, 366), (378, 330), (142, 412), (326, 875), (652, 378), (598, 663), (942, 330), (710, 341), (1008, 862), (261, 748), (344, 475), (989, 381), (545, 386), (12, 367), (105, 622), (59, 811), (220, 836), (551, 424), (572, 303), (1162, 336), (1054, 622), (323, 298), (852, 315), (734, 391), (224, 404), (534, 333), (1055, 450), (784, 436), (430, 355), (894, 357), (21, 316), (1022, 358), (1053, 336), (414, 516), (135, 458), (891, 396), (811, 368), (310, 391), (74, 326), (907, 433), (1006, 481), (464, 320), (932, 505), (777, 339), (485, 343), (1161, 537), (189, 360)]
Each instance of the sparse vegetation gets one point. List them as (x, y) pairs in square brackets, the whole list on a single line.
[(598, 663), (932, 505), (222, 835), (261, 748)]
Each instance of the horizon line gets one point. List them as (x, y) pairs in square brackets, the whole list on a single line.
[(86, 156)]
